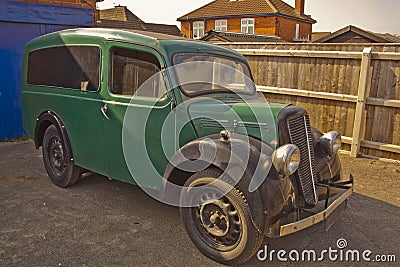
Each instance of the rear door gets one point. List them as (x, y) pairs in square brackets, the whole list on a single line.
[(66, 80)]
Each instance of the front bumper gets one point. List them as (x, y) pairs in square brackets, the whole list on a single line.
[(330, 213)]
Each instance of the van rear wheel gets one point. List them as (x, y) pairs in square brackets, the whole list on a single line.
[(219, 225), (57, 159)]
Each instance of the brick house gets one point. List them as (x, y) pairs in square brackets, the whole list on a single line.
[(266, 17)]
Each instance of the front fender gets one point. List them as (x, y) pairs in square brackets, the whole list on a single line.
[(258, 181)]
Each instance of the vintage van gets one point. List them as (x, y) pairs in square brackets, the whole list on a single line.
[(183, 120)]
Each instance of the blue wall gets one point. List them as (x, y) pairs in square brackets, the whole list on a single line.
[(20, 23)]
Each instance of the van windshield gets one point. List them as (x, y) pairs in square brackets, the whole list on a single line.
[(200, 74)]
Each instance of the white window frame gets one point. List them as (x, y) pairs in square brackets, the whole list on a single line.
[(198, 29), (247, 25), (221, 25)]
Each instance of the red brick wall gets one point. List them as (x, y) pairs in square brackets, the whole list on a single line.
[(210, 25), (265, 25), (262, 26), (287, 29), (279, 26), (185, 29), (72, 3), (299, 6)]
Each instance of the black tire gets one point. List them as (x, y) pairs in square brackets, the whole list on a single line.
[(222, 228), (57, 160)]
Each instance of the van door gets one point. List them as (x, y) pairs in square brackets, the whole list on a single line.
[(66, 81), (136, 106)]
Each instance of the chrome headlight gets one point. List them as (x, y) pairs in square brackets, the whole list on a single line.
[(331, 142), (286, 159)]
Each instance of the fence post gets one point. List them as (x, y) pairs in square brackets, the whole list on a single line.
[(361, 101)]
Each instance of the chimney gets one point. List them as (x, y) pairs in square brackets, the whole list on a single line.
[(300, 6)]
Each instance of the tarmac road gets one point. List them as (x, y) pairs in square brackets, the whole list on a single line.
[(100, 222)]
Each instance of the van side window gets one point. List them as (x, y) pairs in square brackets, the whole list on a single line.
[(74, 67), (130, 71)]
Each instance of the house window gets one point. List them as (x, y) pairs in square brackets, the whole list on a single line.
[(221, 25), (247, 25), (198, 29)]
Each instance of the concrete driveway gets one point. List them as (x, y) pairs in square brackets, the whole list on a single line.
[(100, 222)]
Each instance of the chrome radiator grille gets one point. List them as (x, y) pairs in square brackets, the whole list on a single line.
[(301, 136)]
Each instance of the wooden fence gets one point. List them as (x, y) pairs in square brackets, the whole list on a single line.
[(351, 88)]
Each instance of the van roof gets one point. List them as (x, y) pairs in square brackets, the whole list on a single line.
[(108, 34), (169, 43)]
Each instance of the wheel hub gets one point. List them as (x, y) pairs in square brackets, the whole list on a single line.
[(214, 218), (57, 154)]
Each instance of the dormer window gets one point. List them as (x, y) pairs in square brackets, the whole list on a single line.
[(221, 25), (247, 25), (198, 29)]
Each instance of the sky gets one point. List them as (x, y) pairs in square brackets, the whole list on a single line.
[(374, 15)]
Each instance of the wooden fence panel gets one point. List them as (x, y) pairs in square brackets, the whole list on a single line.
[(326, 79)]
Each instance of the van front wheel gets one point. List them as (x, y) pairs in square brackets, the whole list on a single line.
[(219, 224), (57, 159)]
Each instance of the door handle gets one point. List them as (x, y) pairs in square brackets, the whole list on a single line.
[(104, 111)]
